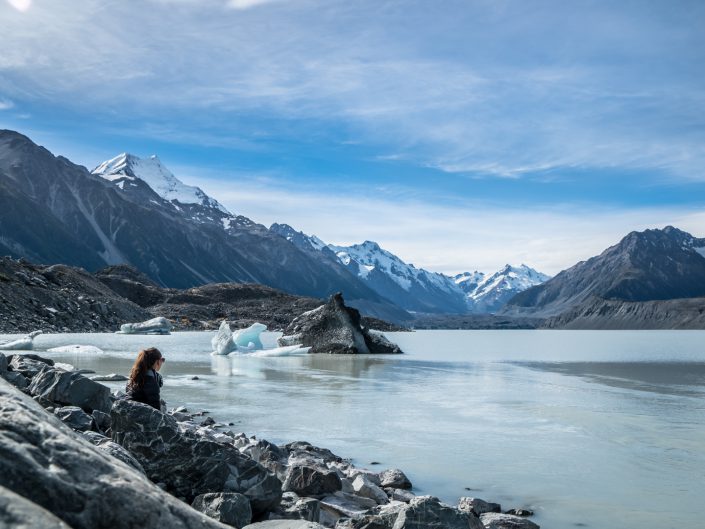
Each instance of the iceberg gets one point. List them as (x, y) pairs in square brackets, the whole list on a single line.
[(249, 339), (222, 342), (26, 343), (158, 325), (244, 340)]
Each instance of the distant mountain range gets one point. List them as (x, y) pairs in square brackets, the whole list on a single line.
[(135, 211), (415, 289)]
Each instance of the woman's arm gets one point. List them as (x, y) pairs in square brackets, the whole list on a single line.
[(151, 391)]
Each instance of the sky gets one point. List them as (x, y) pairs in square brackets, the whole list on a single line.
[(460, 135)]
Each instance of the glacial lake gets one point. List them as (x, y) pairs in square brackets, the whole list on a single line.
[(602, 429)]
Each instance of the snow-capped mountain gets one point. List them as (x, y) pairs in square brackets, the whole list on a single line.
[(488, 294), (416, 289), (125, 168), (403, 284), (133, 211)]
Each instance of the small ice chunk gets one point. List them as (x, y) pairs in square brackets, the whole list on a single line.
[(25, 343), (159, 325), (222, 342), (249, 338)]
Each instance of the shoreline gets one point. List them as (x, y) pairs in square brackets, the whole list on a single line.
[(350, 493)]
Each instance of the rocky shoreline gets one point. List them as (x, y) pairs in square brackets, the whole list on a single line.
[(71, 453)]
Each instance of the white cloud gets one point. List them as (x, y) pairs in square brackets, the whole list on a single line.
[(20, 5), (480, 104), (247, 4), (6, 104)]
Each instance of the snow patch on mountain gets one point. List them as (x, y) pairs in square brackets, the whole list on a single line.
[(488, 293), (150, 170)]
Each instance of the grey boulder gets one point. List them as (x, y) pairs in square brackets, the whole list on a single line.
[(309, 481), (189, 464), (426, 512), (16, 379), (52, 466), (74, 417), (29, 364), (477, 506), (493, 520), (113, 449), (394, 478), (229, 508), (70, 388)]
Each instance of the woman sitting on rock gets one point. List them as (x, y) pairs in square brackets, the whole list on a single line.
[(145, 379)]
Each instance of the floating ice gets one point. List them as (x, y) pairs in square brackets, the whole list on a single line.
[(20, 344), (159, 325), (222, 342), (289, 350), (248, 342), (80, 349), (249, 339)]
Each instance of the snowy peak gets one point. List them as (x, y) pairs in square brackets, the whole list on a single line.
[(151, 171), (488, 293), (298, 238)]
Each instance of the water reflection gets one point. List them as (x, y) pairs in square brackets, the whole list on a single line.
[(667, 378)]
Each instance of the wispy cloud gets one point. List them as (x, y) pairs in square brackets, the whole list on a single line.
[(6, 104), (502, 97)]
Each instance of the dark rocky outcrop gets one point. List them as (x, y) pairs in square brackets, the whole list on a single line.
[(64, 299), (189, 464), (59, 298), (334, 328), (48, 464)]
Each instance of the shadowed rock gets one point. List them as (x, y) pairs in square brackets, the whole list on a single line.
[(20, 513), (69, 388), (189, 464), (334, 328), (229, 508)]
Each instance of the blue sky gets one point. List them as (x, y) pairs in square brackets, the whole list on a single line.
[(458, 134)]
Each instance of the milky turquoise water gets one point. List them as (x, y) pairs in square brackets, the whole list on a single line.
[(587, 428)]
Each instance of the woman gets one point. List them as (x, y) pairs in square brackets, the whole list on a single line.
[(145, 379)]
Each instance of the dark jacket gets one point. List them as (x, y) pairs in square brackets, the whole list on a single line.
[(149, 392)]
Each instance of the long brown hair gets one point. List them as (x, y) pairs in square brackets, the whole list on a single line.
[(146, 359)]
